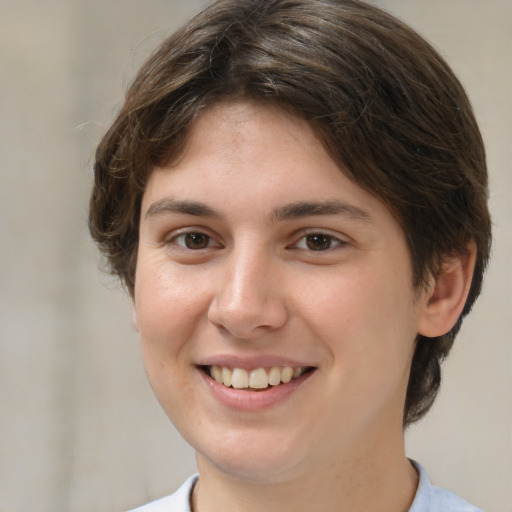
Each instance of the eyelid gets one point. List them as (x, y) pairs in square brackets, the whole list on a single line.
[(170, 239), (337, 238)]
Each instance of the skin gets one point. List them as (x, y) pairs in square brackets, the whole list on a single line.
[(227, 269)]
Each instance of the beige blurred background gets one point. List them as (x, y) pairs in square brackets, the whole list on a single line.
[(79, 428)]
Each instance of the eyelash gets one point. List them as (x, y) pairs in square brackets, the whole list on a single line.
[(183, 236), (326, 241)]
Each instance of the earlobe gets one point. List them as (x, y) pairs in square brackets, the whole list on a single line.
[(447, 294)]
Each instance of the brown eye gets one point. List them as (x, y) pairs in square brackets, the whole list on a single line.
[(194, 241), (319, 242)]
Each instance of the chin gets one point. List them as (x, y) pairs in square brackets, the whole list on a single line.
[(261, 471), (252, 459)]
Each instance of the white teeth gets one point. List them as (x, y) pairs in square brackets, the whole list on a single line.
[(286, 374), (259, 378), (215, 372), (240, 378), (274, 377), (226, 376)]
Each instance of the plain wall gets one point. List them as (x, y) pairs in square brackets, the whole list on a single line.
[(79, 427)]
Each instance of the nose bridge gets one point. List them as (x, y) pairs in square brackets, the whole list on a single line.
[(247, 275), (247, 300)]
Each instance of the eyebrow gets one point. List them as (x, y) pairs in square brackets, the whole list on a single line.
[(169, 205), (286, 212), (313, 208)]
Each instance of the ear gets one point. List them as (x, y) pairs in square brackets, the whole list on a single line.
[(135, 320), (447, 294)]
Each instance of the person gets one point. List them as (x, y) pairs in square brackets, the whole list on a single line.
[(294, 193)]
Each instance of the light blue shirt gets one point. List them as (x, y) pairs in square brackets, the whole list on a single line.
[(429, 498)]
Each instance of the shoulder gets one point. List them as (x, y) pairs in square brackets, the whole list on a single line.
[(430, 498), (176, 502)]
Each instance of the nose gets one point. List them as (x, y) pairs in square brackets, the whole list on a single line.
[(249, 298)]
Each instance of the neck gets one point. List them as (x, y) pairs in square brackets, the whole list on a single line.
[(380, 482)]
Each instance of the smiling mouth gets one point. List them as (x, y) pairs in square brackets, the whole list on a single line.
[(256, 379)]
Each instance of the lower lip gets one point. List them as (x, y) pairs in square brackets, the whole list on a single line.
[(247, 400)]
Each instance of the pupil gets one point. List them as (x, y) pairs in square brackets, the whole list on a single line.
[(318, 242), (196, 241)]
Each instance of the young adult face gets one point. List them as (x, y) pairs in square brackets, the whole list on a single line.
[(257, 252)]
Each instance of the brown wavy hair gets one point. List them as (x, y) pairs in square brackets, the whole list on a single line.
[(386, 106)]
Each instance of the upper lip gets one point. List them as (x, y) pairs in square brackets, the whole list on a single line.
[(249, 363)]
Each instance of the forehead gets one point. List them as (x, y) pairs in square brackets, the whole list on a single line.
[(260, 141), (249, 156), (241, 126), (229, 136)]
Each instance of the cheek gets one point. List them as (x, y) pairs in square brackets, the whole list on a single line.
[(361, 315), (169, 311), (169, 307)]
